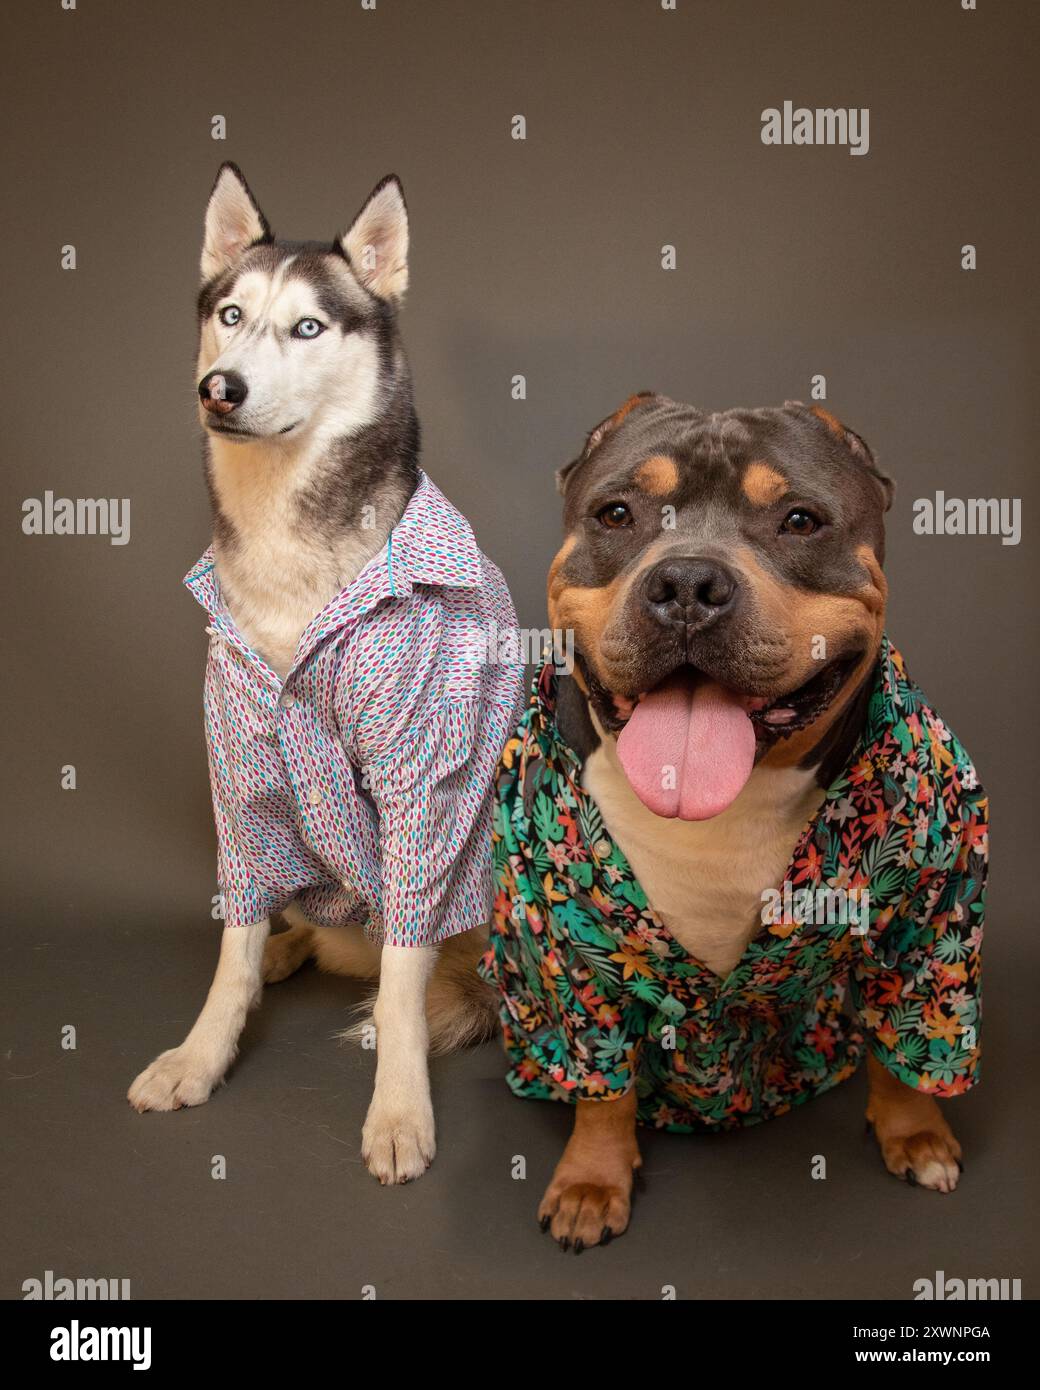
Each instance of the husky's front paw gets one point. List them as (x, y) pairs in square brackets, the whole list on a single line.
[(397, 1147), (182, 1076)]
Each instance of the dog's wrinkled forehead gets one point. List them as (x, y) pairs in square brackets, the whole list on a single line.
[(277, 283), (712, 471)]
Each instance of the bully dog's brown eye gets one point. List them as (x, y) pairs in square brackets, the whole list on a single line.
[(800, 522), (614, 515)]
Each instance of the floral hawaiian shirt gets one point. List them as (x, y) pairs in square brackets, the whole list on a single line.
[(598, 997)]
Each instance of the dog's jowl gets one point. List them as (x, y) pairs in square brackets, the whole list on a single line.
[(353, 720), (736, 848)]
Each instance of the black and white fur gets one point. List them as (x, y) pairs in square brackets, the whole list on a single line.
[(309, 469)]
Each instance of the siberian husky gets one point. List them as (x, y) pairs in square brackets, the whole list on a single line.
[(298, 441)]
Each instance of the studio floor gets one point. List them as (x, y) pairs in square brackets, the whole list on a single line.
[(94, 1190)]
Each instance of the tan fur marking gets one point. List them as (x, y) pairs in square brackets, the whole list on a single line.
[(763, 483), (640, 398), (875, 594), (659, 475), (911, 1131), (590, 1191), (832, 422), (557, 606), (587, 610), (803, 616), (558, 562)]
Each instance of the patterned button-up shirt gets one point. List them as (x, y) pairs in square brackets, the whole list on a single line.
[(360, 786)]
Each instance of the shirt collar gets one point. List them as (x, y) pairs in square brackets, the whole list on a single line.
[(888, 771), (432, 543)]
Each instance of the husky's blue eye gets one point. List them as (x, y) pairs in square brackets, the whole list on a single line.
[(308, 328), (230, 315)]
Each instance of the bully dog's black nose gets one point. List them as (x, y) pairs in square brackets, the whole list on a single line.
[(222, 392), (694, 591)]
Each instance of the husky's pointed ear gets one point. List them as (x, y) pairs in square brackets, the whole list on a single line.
[(233, 221), (377, 244)]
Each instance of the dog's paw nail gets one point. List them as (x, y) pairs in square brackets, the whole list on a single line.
[(545, 1222), (579, 1246), (397, 1148), (606, 1235), (911, 1177), (868, 1128), (565, 1243), (960, 1166)]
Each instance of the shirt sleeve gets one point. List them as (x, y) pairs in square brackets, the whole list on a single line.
[(243, 901), (917, 982), (427, 741)]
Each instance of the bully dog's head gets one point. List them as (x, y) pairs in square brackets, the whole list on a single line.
[(722, 577), (297, 339)]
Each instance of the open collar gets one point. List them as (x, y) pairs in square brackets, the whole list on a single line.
[(888, 777), (432, 544)]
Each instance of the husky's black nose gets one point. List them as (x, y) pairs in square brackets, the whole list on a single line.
[(222, 392), (692, 591)]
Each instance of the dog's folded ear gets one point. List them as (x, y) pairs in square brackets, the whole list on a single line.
[(605, 427), (233, 221), (377, 244), (857, 446)]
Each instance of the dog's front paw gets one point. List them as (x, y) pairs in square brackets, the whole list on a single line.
[(925, 1160), (182, 1076), (585, 1213), (928, 1158), (398, 1146)]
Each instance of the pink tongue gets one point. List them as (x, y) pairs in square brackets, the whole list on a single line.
[(688, 748)]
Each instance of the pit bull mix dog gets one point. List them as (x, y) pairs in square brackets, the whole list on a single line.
[(735, 817)]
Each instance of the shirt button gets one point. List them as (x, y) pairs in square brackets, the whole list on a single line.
[(287, 701), (314, 796), (602, 848)]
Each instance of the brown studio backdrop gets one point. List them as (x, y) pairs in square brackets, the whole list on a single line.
[(540, 258)]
